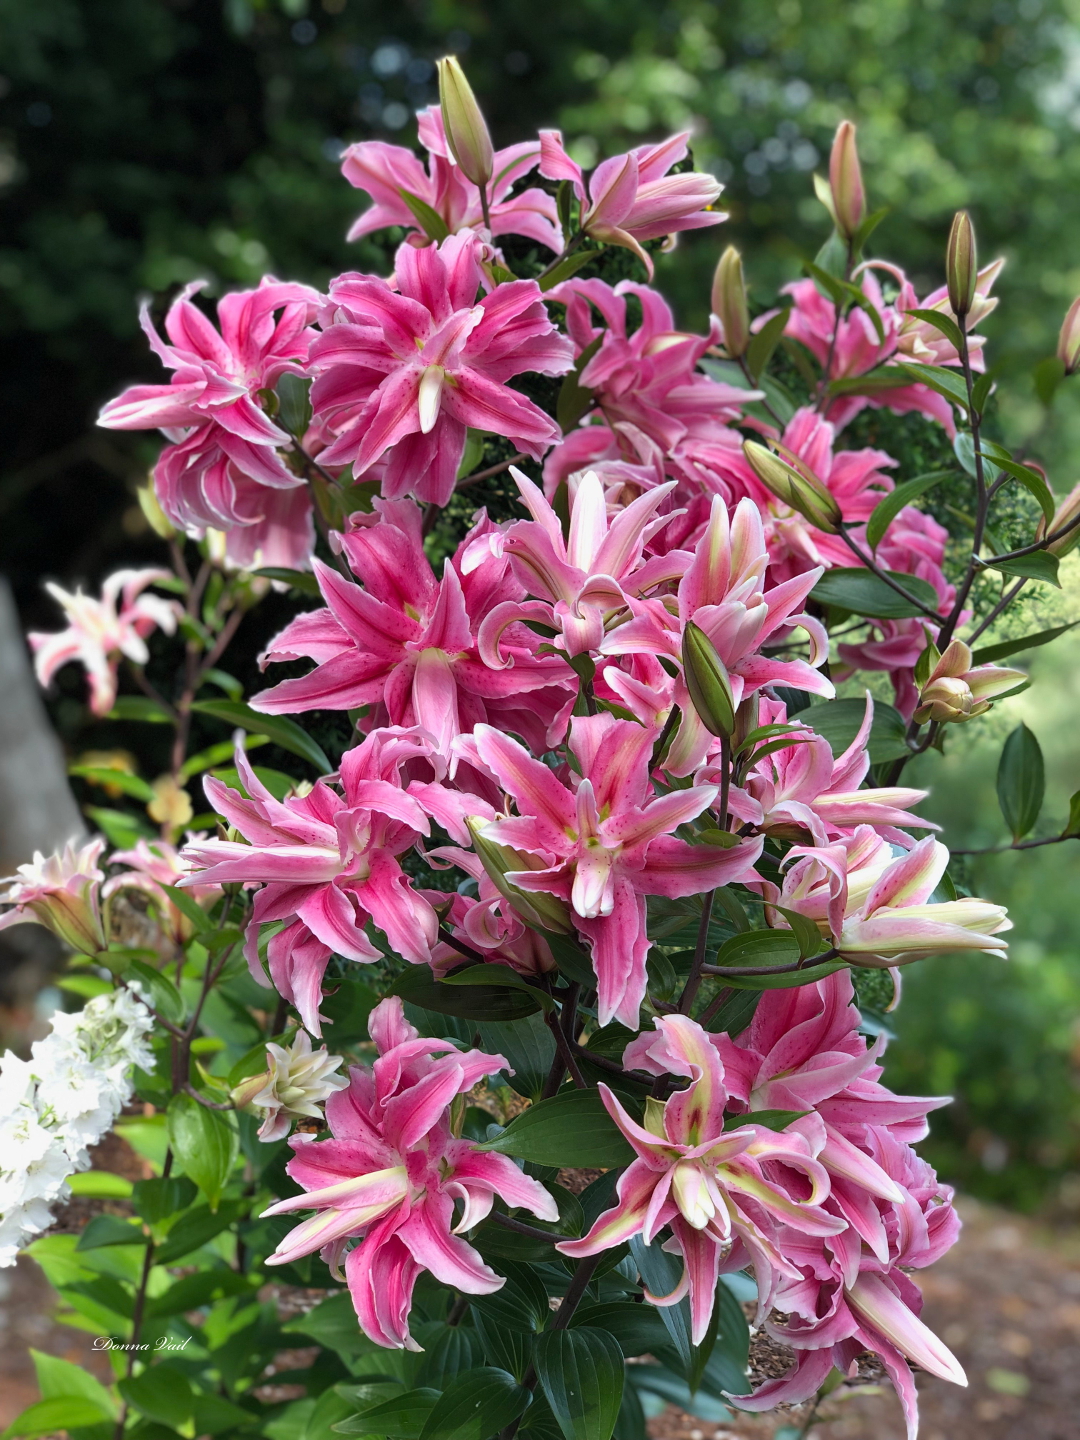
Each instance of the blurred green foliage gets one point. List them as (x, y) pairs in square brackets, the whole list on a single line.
[(145, 143)]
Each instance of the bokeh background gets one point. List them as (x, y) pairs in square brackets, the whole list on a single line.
[(145, 143)]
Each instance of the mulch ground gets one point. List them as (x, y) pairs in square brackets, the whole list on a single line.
[(1006, 1299)]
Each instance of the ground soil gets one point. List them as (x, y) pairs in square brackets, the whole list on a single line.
[(1006, 1299)]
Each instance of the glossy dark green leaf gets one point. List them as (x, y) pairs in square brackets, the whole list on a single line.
[(789, 980), (636, 1326), (582, 1374), (1021, 781), (429, 219), (949, 383), (1072, 825), (110, 1230), (191, 1292), (839, 721), (1034, 483), (294, 402), (194, 1228), (298, 580), (991, 654), (529, 1047), (734, 1014), (475, 1406), (62, 1412), (771, 1119), (759, 947), (418, 986), (572, 1128), (574, 398), (481, 976), (506, 1349), (886, 511), (281, 730), (332, 1324), (164, 996), (660, 1273), (863, 593), (162, 1393), (943, 323), (521, 1304), (401, 1417), (805, 931), (205, 1144), (1039, 565), (566, 269)]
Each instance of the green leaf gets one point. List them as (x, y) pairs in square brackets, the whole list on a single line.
[(62, 1412), (528, 1045), (574, 398), (873, 382), (840, 291), (886, 511), (191, 1292), (279, 728), (216, 755), (864, 593), (1039, 565), (481, 976), (401, 1416), (660, 1273), (298, 580), (205, 1144), (164, 996), (476, 1405), (155, 1200), (805, 931), (110, 1230), (131, 785), (1021, 781), (760, 350), (1072, 825), (789, 980), (87, 986), (989, 654), (638, 1328), (1031, 480), (572, 960), (119, 828), (521, 1304), (190, 908), (429, 220), (276, 781), (214, 1415), (867, 228), (475, 1001), (1047, 376), (582, 1372), (771, 1119), (101, 1184), (943, 323), (195, 1229), (566, 269), (140, 707), (572, 1128), (294, 402), (838, 722), (949, 383), (59, 1378), (162, 1393), (332, 1324), (759, 947), (228, 684)]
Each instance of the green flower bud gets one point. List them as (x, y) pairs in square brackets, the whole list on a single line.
[(540, 910), (961, 264), (707, 680), (796, 486), (845, 181), (729, 302), (466, 129), (1068, 348)]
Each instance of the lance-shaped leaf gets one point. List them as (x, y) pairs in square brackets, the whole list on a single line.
[(205, 1144), (863, 593), (886, 511), (1021, 781), (475, 1405), (569, 1129), (280, 729), (582, 1372)]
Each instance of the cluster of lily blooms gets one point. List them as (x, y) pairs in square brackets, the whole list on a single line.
[(535, 716)]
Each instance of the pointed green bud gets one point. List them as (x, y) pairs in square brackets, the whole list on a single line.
[(466, 129), (156, 518), (1068, 348), (243, 1093), (795, 485), (961, 263), (540, 910), (845, 182), (707, 680), (729, 302)]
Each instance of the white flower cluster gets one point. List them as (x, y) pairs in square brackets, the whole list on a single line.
[(61, 1101)]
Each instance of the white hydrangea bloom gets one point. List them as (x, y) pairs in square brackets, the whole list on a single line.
[(61, 1101)]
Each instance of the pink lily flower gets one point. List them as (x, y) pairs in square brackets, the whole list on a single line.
[(408, 370), (711, 1185), (876, 910), (391, 1174), (223, 470), (61, 891), (488, 923), (606, 841), (646, 377), (385, 170), (101, 631), (152, 864), (328, 862), (723, 592), (631, 197), (583, 582), (406, 643), (854, 477), (802, 788)]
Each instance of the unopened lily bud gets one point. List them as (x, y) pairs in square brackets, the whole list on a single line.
[(62, 892), (1067, 512), (707, 681), (729, 302), (961, 264), (956, 690), (244, 1093), (538, 909), (845, 181), (798, 488), (466, 129), (1068, 347), (156, 518)]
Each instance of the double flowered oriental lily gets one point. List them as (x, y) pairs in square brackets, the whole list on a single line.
[(384, 171), (101, 631), (297, 1081), (632, 197), (328, 862), (406, 643), (606, 841), (223, 470), (404, 371), (957, 689), (713, 1186), (392, 1173)]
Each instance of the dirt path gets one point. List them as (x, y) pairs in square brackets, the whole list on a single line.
[(1006, 1299)]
